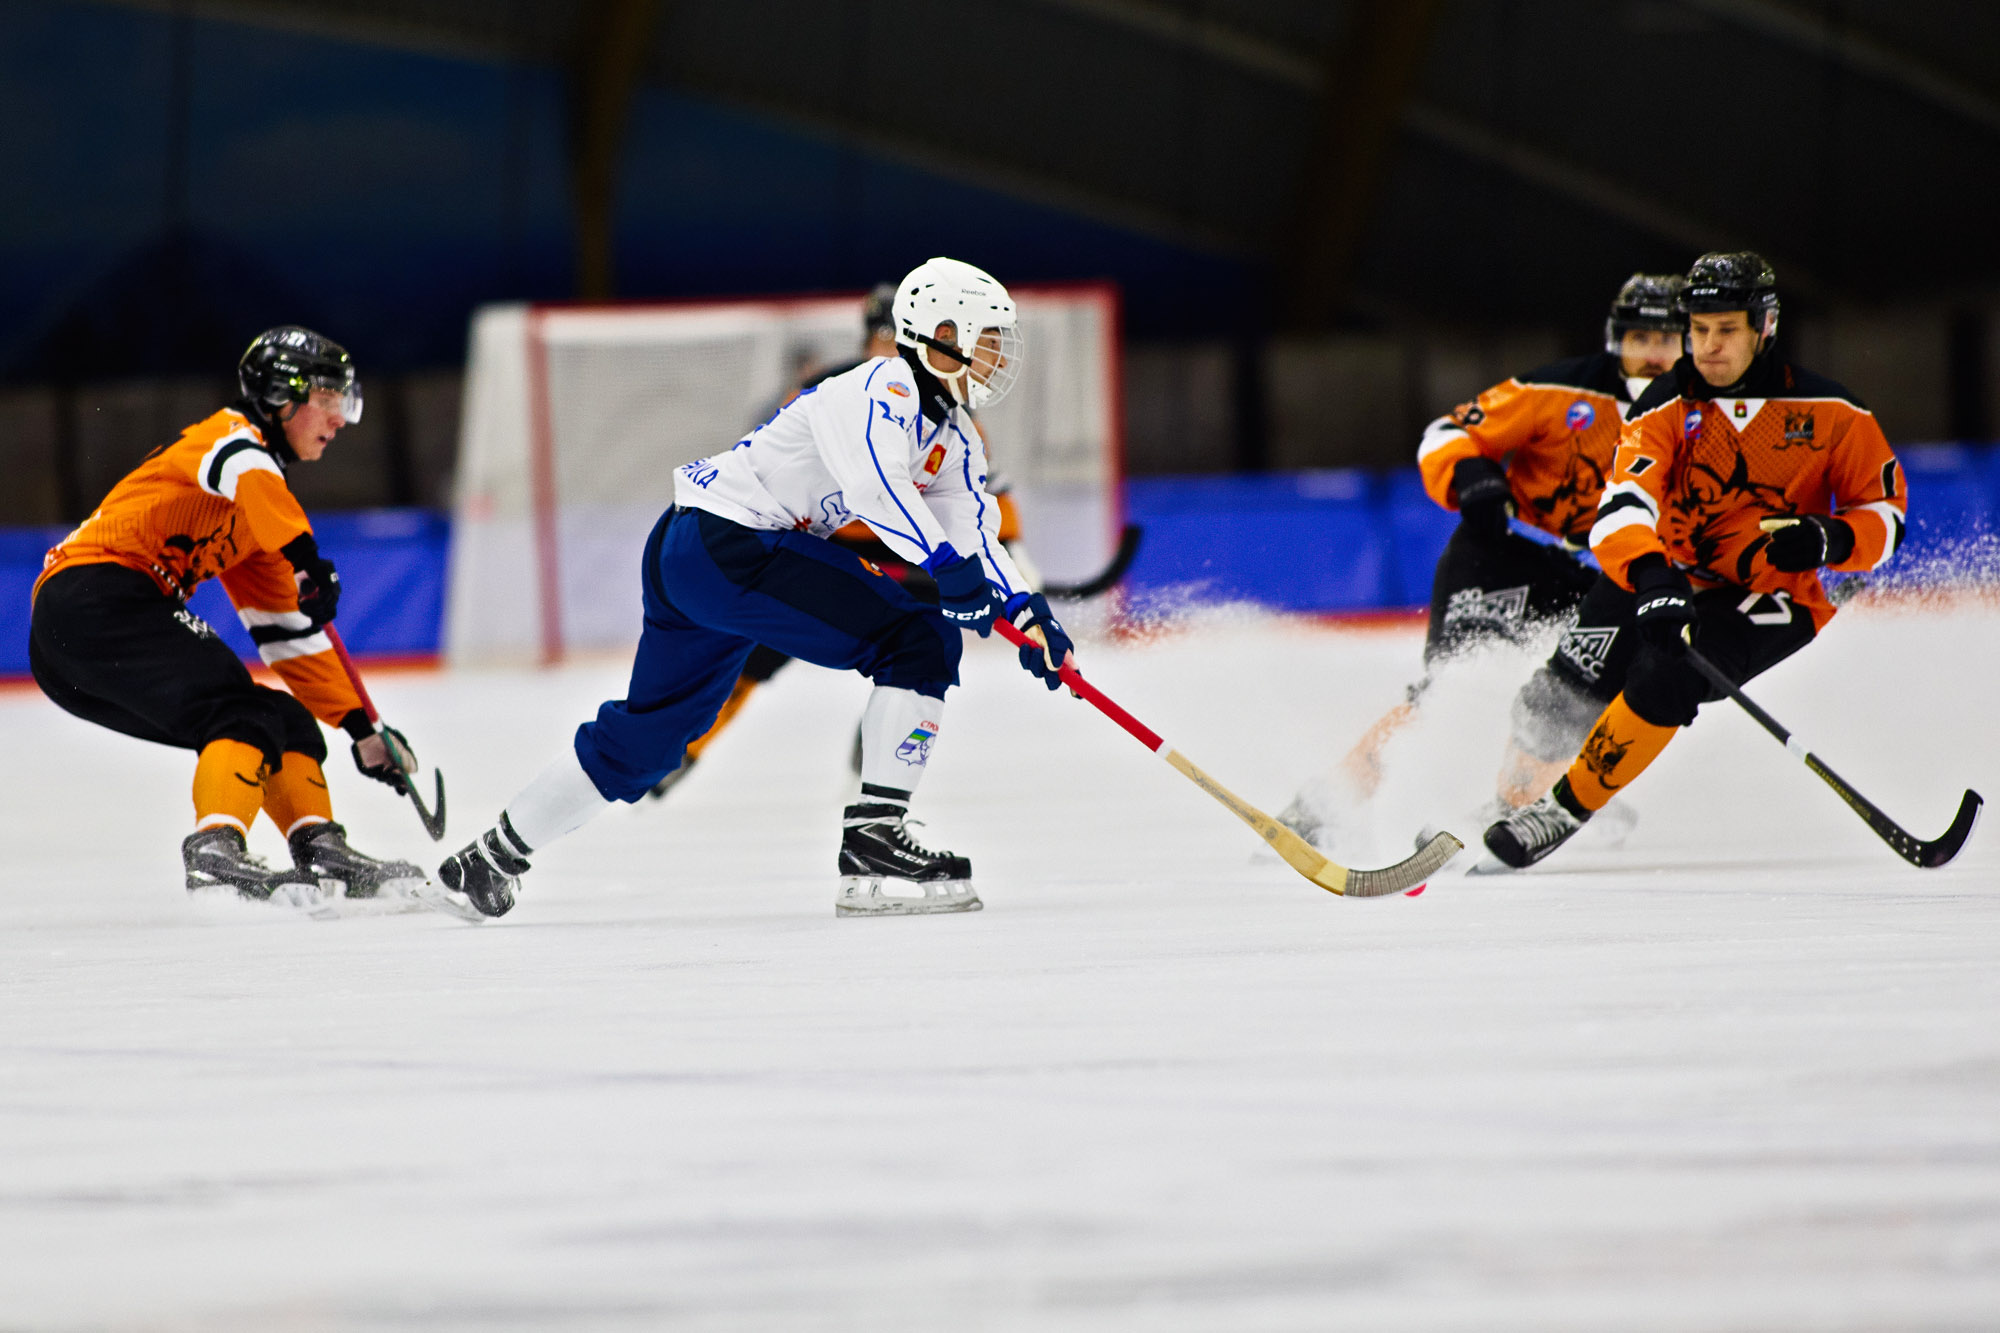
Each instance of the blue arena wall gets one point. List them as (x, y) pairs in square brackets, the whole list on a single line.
[(1313, 542)]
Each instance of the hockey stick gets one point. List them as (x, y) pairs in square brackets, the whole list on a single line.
[(1912, 849), (1107, 578), (433, 823), (1300, 855)]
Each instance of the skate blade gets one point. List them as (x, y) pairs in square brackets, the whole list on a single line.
[(861, 896), (1490, 864)]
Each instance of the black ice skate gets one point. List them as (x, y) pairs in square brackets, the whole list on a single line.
[(216, 857), (884, 872), (1533, 831), (488, 873), (320, 852)]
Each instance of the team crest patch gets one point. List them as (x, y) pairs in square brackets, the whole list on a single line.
[(1691, 423), (1742, 409), (900, 390), (1799, 430), (1580, 415), (916, 750), (1503, 606), (1587, 649), (935, 461)]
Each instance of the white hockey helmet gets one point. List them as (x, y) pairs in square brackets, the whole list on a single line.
[(987, 348)]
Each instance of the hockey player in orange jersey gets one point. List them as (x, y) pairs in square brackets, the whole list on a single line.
[(113, 642), (1535, 448), (1738, 478)]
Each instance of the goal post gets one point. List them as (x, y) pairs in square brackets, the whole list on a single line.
[(576, 417)]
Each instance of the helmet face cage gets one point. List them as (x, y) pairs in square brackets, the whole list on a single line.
[(1646, 301), (986, 347)]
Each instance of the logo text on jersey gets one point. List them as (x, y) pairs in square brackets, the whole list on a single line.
[(1580, 415)]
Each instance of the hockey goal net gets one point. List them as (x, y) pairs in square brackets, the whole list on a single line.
[(576, 417)]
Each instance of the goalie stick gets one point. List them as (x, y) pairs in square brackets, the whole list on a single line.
[(1300, 855), (1917, 852), (1107, 578), (433, 822)]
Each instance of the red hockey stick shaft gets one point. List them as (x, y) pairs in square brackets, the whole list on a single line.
[(353, 673), (1071, 677)]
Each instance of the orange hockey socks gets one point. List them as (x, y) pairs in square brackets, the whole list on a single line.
[(1617, 750), (1363, 764), (228, 784), (297, 793)]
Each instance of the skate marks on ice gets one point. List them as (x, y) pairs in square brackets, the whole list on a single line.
[(1733, 1075)]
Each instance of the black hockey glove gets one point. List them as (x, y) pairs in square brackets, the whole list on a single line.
[(380, 751), (1030, 613), (1799, 544), (966, 598), (1485, 501), (1666, 605), (318, 581)]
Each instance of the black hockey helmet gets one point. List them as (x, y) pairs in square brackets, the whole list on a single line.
[(284, 365), (1646, 301), (1741, 280), (878, 313)]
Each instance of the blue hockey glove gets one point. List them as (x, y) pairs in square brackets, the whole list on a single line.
[(1030, 612), (964, 595)]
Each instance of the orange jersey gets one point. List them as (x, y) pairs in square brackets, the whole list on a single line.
[(214, 504), (1553, 429), (1696, 474)]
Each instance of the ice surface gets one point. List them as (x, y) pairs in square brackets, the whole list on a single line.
[(1741, 1073)]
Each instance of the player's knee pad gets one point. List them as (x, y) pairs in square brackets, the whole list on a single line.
[(1665, 691), (923, 656), (1552, 714)]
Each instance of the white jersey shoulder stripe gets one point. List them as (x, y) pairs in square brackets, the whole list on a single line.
[(229, 458)]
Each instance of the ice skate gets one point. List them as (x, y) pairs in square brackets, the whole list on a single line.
[(320, 852), (487, 873), (1532, 832), (884, 872), (217, 857)]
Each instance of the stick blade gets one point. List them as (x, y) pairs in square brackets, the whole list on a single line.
[(1931, 855), (433, 818), (1406, 874)]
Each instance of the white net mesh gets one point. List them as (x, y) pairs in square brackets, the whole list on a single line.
[(576, 419)]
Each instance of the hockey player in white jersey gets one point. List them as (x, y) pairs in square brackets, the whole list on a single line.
[(743, 558)]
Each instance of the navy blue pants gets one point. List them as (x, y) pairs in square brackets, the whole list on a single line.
[(716, 589)]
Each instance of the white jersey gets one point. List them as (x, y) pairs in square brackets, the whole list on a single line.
[(858, 445)]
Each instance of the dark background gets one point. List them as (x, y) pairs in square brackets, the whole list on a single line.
[(1329, 220)]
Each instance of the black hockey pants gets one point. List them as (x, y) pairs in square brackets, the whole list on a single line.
[(1489, 588), (110, 647), (1744, 633)]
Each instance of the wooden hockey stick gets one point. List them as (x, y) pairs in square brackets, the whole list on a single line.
[(433, 822), (1911, 848), (1299, 854)]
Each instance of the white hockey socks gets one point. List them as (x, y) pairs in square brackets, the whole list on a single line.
[(561, 799), (897, 729)]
